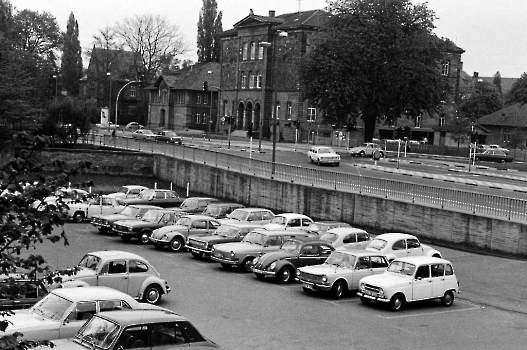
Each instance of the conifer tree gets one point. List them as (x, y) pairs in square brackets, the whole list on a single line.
[(209, 25), (71, 65)]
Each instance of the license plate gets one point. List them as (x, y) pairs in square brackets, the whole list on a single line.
[(307, 285)]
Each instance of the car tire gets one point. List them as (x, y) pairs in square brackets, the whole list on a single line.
[(247, 264), (285, 275), (448, 299), (397, 302), (362, 154), (260, 277), (502, 161), (152, 294), (177, 244), (78, 217), (338, 290), (145, 237), (364, 300)]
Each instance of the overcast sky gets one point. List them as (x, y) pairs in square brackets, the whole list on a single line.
[(490, 32)]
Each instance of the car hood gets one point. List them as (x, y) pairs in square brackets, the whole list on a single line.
[(268, 258), (238, 247), (160, 232), (67, 344), (356, 148), (274, 227), (323, 269), (133, 223), (387, 279), (82, 272), (112, 217), (23, 320)]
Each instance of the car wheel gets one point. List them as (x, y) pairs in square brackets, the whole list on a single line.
[(177, 244), (152, 294), (397, 302), (381, 154), (311, 159), (145, 237), (247, 264), (285, 275), (338, 290), (78, 216), (448, 299), (364, 300), (362, 154), (197, 255)]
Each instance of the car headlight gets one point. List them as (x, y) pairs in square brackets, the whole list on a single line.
[(381, 292), (324, 278), (164, 237), (272, 266), (361, 287), (233, 254), (255, 261)]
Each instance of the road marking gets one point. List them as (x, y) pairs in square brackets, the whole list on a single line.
[(475, 307)]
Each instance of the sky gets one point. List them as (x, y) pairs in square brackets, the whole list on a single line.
[(490, 32)]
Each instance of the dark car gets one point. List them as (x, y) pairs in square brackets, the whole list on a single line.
[(161, 198), (201, 246), (16, 293), (221, 210), (195, 205), (293, 253), (143, 228), (169, 136), (104, 223), (493, 155)]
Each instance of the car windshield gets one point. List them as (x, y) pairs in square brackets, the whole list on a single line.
[(238, 215), (153, 216), (402, 268), (341, 259), (98, 332), (291, 246), (280, 220), (255, 238), (212, 210), (90, 261), (226, 231), (184, 221), (325, 150), (328, 236), (123, 190), (130, 211), (52, 307), (146, 194), (377, 244)]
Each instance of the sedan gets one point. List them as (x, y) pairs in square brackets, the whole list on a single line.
[(323, 155), (367, 150), (133, 126), (169, 136), (143, 134), (492, 155)]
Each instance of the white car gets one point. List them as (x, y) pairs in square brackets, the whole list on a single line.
[(411, 279), (144, 134), (399, 245), (127, 191), (499, 148), (347, 237), (323, 155), (289, 221), (367, 150), (103, 205)]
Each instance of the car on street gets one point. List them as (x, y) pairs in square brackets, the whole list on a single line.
[(493, 156), (137, 329), (411, 279), (20, 293), (201, 246), (124, 271), (282, 264), (398, 245), (169, 136), (160, 197), (104, 223), (341, 272), (144, 135), (323, 155), (127, 191), (100, 205), (133, 126), (221, 210), (259, 216), (62, 312), (175, 236), (367, 150), (499, 148), (289, 221), (255, 243), (318, 228), (142, 228), (347, 237)]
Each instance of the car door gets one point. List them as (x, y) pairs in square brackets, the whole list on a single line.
[(114, 274), (379, 264), (138, 272), (81, 312), (109, 206), (422, 283), (437, 272), (309, 255), (399, 248), (413, 247)]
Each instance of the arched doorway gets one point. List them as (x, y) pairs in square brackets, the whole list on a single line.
[(258, 121), (248, 116), (238, 123)]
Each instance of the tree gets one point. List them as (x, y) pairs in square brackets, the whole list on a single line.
[(484, 99), (496, 80), (518, 91), (460, 131), (152, 39), (209, 26), (71, 63), (387, 68)]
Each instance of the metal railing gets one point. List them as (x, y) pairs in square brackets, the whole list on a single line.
[(451, 199)]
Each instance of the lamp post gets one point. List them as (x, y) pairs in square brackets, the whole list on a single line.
[(117, 98), (265, 45), (109, 75), (56, 77), (209, 121)]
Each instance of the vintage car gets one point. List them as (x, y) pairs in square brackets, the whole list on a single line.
[(136, 329), (142, 228), (410, 279), (318, 228), (499, 148), (159, 197), (259, 216), (398, 245), (221, 210), (175, 236), (63, 196), (17, 292), (144, 134), (293, 254), (367, 149), (289, 221), (127, 272), (101, 205), (341, 272), (255, 243), (323, 155), (104, 223), (194, 205), (169, 136), (128, 191), (62, 312), (133, 126), (493, 155), (201, 246), (347, 237)]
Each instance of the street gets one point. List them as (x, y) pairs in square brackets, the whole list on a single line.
[(238, 311)]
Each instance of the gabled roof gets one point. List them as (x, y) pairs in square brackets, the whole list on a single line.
[(192, 78), (122, 64), (512, 116)]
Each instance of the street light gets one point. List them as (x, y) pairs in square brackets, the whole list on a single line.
[(265, 45), (109, 75), (56, 77), (117, 98)]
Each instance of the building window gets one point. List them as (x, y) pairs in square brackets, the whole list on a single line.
[(445, 69), (244, 80), (418, 121), (251, 80), (253, 51), (258, 79), (311, 114), (442, 121), (132, 91), (244, 51), (198, 98), (277, 110), (289, 111), (198, 118), (506, 137), (260, 53), (205, 99)]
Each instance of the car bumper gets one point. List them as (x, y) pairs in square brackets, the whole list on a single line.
[(315, 286), (372, 297), (158, 241), (264, 272), (126, 233), (224, 260), (203, 252), (329, 161)]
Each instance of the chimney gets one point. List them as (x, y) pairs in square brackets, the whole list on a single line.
[(476, 74), (271, 13)]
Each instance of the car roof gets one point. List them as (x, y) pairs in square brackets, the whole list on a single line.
[(291, 233), (293, 215), (227, 205), (358, 252), (145, 206), (198, 216), (111, 254), (253, 209), (243, 224), (392, 236), (345, 230), (134, 186), (202, 198), (90, 293), (417, 260), (310, 240), (136, 317)]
